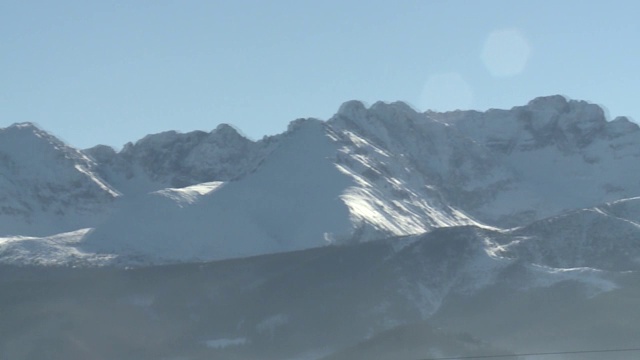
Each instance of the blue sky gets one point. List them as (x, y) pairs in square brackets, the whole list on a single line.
[(110, 72)]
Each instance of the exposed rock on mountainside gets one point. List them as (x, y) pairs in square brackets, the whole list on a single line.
[(175, 160)]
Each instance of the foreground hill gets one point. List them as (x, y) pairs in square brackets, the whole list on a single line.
[(452, 292)]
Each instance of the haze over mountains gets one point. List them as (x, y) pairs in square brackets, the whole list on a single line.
[(398, 220)]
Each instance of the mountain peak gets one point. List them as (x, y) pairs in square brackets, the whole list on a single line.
[(399, 106), (352, 108), (394, 111), (552, 102), (24, 125), (356, 108), (225, 128), (558, 104), (26, 128), (228, 131), (303, 122), (30, 136)]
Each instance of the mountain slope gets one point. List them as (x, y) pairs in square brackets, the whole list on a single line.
[(606, 237)]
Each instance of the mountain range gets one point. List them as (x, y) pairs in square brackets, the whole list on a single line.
[(364, 174), (430, 224)]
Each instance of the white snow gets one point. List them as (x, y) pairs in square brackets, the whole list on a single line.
[(97, 180), (547, 276), (225, 343), (60, 249), (271, 324), (190, 194)]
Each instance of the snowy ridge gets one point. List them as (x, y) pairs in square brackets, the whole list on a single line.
[(172, 159), (561, 155), (591, 237)]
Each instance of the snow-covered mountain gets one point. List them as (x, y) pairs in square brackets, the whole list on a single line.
[(364, 174), (379, 224)]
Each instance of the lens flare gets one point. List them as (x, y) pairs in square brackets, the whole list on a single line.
[(505, 52)]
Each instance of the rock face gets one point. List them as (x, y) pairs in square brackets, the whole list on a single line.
[(364, 174), (176, 160)]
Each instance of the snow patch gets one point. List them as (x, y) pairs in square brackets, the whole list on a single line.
[(225, 343), (57, 250), (594, 278), (190, 194), (272, 323)]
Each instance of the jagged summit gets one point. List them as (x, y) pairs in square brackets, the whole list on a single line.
[(298, 124), (36, 152), (621, 126), (538, 113), (352, 108), (582, 111), (25, 126), (355, 108), (229, 131), (398, 106), (28, 131)]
